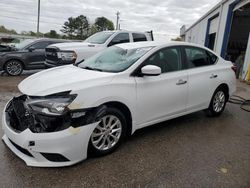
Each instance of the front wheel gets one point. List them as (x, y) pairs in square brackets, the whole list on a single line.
[(13, 68), (218, 103), (109, 133)]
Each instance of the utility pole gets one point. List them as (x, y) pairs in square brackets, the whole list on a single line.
[(117, 19), (38, 19)]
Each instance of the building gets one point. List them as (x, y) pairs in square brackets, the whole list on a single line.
[(224, 29)]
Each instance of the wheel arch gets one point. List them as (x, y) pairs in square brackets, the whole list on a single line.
[(225, 87), (16, 59), (124, 108)]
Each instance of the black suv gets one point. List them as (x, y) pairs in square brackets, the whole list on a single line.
[(29, 54)]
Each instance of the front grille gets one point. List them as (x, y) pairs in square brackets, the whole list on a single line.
[(19, 117), (24, 151), (51, 54)]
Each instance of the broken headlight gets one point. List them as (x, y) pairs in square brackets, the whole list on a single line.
[(51, 105)]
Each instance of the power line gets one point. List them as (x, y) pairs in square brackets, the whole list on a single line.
[(29, 14), (16, 18)]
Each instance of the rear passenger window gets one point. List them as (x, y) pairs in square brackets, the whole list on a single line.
[(139, 37), (197, 57), (168, 59)]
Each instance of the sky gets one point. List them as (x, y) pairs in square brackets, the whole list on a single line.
[(164, 17)]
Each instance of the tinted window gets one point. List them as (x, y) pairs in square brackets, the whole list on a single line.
[(212, 58), (168, 59), (120, 38), (197, 57), (41, 45), (139, 37)]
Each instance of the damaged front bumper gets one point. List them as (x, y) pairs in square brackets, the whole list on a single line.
[(47, 149)]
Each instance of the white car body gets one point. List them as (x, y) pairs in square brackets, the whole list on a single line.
[(150, 100), (85, 49)]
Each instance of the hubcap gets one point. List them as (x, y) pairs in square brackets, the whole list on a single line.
[(107, 133), (219, 101), (14, 68)]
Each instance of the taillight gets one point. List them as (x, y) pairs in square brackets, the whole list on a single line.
[(234, 68)]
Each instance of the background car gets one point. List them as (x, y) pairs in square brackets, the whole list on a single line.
[(63, 54), (29, 54), (111, 95)]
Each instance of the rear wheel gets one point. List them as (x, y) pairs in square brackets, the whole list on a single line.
[(109, 133), (218, 102), (13, 68)]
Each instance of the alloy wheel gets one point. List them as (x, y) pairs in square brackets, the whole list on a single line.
[(107, 133), (219, 101), (14, 68)]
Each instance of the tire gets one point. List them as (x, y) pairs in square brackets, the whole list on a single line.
[(218, 103), (13, 67), (104, 140)]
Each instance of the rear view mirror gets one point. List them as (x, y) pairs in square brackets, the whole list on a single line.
[(150, 70)]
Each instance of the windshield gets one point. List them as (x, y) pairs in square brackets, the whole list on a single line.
[(24, 43), (114, 59), (99, 38)]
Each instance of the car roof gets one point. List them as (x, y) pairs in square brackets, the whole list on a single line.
[(48, 39), (156, 44)]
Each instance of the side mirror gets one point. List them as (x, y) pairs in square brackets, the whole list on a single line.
[(31, 49), (113, 42), (150, 70)]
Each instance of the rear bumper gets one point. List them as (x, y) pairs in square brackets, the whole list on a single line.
[(33, 148)]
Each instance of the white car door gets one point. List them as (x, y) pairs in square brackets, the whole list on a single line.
[(202, 77), (165, 95)]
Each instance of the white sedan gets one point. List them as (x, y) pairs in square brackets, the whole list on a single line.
[(67, 113)]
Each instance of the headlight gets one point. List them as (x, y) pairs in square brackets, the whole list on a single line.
[(67, 55), (53, 105)]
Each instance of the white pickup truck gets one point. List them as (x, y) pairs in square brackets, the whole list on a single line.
[(75, 52)]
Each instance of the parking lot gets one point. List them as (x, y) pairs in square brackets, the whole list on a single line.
[(191, 151)]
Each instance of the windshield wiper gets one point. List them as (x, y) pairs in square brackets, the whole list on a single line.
[(91, 68)]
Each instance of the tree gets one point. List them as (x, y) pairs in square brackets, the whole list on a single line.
[(52, 34), (102, 24), (76, 28), (92, 30), (82, 26), (69, 27), (8, 31)]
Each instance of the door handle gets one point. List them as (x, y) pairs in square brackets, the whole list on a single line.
[(180, 82), (213, 76)]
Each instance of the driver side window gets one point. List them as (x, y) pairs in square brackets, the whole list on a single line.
[(168, 59), (120, 38)]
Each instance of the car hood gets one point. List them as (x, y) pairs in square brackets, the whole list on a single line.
[(73, 45), (64, 78)]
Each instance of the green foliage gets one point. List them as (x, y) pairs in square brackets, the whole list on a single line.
[(8, 31), (76, 28), (79, 27), (52, 34), (102, 24)]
